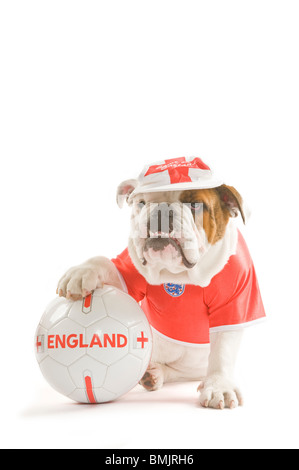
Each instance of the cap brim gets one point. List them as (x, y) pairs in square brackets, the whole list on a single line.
[(208, 184)]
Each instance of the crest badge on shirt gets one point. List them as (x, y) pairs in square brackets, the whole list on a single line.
[(175, 290)]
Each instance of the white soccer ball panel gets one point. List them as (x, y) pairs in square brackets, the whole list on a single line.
[(55, 311), (123, 375), (86, 364), (57, 375), (79, 395), (94, 313), (102, 395), (102, 290), (108, 341), (63, 341), (122, 307)]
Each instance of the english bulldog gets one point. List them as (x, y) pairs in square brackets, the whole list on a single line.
[(189, 266)]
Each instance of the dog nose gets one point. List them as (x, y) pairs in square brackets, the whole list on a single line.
[(161, 218)]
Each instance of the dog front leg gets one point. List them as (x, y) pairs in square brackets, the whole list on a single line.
[(81, 280), (218, 390)]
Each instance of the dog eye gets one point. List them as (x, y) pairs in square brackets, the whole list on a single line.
[(140, 204), (197, 206)]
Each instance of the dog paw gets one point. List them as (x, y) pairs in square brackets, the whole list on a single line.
[(78, 282), (153, 378), (218, 392)]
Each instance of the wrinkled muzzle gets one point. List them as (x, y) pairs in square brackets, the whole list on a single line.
[(167, 234)]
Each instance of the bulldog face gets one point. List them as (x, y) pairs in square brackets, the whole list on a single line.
[(172, 232)]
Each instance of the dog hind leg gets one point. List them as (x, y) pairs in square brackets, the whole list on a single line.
[(157, 374)]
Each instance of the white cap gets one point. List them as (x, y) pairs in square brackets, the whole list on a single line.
[(176, 174)]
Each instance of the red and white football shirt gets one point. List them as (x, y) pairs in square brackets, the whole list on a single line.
[(186, 313)]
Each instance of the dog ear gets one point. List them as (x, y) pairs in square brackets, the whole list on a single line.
[(232, 200), (124, 190)]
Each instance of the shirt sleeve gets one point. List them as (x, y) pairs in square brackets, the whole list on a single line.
[(233, 297), (135, 282)]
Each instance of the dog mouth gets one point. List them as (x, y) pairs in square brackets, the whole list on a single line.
[(159, 241)]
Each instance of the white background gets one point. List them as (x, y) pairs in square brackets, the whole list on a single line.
[(90, 92)]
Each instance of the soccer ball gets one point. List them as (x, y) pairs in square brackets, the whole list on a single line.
[(96, 349)]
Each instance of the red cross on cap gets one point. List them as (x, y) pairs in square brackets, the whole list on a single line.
[(176, 174), (178, 169)]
